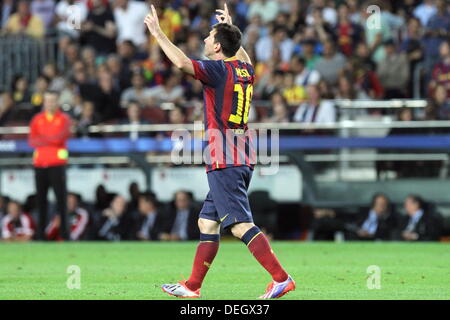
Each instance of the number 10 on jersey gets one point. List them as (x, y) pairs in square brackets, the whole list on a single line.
[(237, 118)]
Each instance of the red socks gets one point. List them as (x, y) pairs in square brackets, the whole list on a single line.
[(256, 242), (259, 246), (206, 252)]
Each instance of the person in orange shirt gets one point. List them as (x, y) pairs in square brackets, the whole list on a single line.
[(24, 23), (49, 132)]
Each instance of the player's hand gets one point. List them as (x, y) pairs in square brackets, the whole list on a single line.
[(224, 16), (152, 22)]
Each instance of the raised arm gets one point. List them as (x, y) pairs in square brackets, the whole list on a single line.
[(224, 17), (178, 58)]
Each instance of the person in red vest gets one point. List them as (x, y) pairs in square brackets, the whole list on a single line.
[(49, 132)]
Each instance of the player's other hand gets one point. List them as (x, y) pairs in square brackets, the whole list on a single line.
[(224, 15), (152, 22)]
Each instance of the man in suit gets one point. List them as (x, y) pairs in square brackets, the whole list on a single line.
[(379, 221), (134, 119), (181, 219), (150, 221), (421, 222)]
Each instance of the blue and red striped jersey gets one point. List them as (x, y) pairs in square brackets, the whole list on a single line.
[(227, 94)]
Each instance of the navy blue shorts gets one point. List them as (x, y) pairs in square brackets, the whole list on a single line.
[(227, 200)]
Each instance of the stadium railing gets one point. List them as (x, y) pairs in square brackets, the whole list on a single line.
[(26, 56)]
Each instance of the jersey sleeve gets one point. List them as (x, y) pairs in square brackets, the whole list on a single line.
[(210, 72)]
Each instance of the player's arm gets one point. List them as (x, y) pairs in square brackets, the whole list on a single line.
[(224, 17), (178, 58)]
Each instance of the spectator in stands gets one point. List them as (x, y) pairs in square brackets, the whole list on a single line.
[(137, 92), (88, 117), (331, 63), (181, 219), (7, 8), (69, 16), (266, 9), (279, 112), (177, 115), (421, 223), (71, 54), (49, 132), (78, 216), (44, 9), (292, 92), (120, 71), (379, 222), (441, 103), (314, 110), (425, 11), (102, 198), (99, 30), (348, 33), (57, 82), (169, 91), (133, 191), (412, 47), (266, 46), (393, 71), (41, 86), (88, 57), (24, 23), (309, 53), (345, 90), (107, 98), (303, 76), (134, 119), (128, 17), (113, 225), (150, 222), (436, 32), (17, 225), (21, 91), (441, 71), (7, 106)]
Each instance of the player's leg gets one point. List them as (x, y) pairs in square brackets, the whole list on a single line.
[(206, 252), (42, 185), (230, 198), (57, 176), (260, 247)]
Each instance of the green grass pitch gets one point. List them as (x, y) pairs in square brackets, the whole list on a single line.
[(135, 270)]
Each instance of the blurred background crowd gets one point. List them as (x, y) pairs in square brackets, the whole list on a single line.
[(111, 217), (304, 53)]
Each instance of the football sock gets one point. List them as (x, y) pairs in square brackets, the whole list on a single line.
[(259, 246), (206, 252)]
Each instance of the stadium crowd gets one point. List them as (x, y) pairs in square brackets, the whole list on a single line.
[(304, 53), (143, 218)]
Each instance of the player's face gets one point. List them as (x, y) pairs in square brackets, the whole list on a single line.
[(50, 102), (210, 45)]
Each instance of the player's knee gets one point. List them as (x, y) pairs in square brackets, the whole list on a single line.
[(208, 226), (238, 230)]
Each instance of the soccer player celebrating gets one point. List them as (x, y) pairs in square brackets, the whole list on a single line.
[(228, 85)]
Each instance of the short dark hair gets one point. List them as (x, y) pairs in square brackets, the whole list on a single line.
[(229, 37), (417, 199), (52, 92), (379, 195)]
